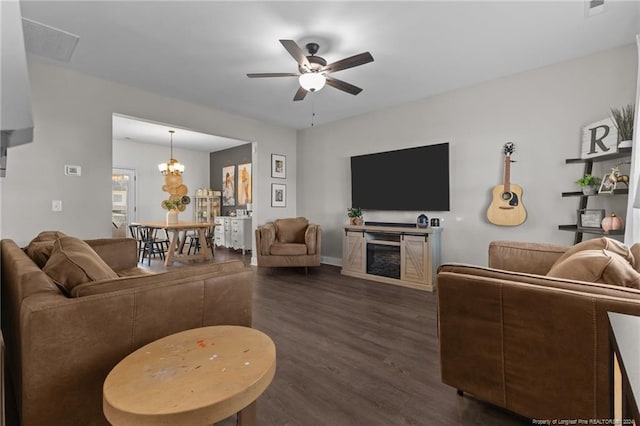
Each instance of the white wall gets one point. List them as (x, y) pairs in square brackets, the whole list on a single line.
[(144, 159), (72, 116), (542, 111)]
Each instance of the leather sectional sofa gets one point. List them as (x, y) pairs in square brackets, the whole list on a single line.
[(62, 340), (530, 332)]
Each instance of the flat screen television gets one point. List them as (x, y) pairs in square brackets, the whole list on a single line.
[(412, 179)]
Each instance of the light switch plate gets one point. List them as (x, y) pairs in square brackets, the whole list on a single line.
[(56, 205)]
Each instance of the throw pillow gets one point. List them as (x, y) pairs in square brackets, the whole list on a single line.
[(74, 262), (291, 230), (602, 243), (635, 250), (597, 266), (39, 249)]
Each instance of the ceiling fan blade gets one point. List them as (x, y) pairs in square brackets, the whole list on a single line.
[(273, 74), (350, 62), (300, 94), (297, 53), (343, 85)]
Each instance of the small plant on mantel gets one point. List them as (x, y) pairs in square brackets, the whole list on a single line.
[(589, 184), (355, 215)]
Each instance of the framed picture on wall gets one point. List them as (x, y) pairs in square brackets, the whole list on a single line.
[(244, 184), (278, 166), (228, 186), (608, 184), (278, 195)]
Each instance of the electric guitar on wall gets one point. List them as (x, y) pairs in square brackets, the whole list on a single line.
[(506, 207)]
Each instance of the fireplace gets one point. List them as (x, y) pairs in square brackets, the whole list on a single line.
[(383, 260)]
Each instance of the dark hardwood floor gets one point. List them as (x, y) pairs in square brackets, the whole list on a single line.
[(354, 352)]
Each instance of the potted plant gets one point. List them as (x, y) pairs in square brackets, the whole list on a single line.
[(589, 184), (623, 119), (355, 215)]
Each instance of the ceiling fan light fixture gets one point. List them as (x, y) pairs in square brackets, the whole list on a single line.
[(312, 81)]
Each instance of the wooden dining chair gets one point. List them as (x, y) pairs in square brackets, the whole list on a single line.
[(151, 244), (135, 234), (194, 241)]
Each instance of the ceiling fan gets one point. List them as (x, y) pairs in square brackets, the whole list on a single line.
[(313, 69)]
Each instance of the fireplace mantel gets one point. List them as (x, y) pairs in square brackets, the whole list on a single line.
[(419, 254)]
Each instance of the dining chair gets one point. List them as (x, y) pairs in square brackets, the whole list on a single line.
[(194, 241), (135, 234), (152, 245)]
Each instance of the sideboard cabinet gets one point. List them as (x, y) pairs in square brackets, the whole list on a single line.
[(233, 232)]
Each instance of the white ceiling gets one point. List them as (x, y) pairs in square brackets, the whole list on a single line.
[(201, 51), (144, 131)]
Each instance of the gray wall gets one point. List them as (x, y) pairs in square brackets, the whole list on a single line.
[(73, 125), (228, 157), (543, 111)]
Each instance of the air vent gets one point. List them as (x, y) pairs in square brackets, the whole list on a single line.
[(52, 43), (593, 7)]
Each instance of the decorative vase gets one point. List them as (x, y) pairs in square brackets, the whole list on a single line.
[(611, 223), (172, 217), (422, 221), (359, 221), (589, 190)]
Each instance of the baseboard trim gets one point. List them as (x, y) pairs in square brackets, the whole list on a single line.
[(334, 261)]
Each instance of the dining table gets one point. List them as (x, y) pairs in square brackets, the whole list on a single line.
[(178, 237)]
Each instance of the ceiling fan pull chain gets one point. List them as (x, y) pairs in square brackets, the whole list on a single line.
[(313, 107)]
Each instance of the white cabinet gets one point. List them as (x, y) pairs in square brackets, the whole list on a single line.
[(223, 227), (203, 209), (233, 232)]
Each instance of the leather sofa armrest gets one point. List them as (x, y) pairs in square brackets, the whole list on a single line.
[(531, 258), (265, 238), (312, 238)]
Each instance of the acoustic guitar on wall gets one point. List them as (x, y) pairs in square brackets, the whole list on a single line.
[(506, 207)]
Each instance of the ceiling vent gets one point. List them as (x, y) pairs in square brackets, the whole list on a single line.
[(593, 7), (52, 43)]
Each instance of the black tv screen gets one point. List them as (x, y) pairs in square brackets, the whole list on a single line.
[(408, 179)]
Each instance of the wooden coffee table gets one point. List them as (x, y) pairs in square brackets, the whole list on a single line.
[(194, 377)]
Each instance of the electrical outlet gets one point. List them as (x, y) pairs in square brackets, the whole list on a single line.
[(56, 205)]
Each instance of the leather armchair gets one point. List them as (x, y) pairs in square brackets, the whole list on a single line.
[(518, 337), (288, 242)]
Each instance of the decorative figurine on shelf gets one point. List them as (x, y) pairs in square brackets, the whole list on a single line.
[(423, 221), (612, 223)]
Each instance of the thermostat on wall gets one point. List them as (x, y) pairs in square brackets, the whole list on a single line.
[(72, 170)]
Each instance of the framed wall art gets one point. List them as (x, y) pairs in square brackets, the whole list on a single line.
[(590, 218), (278, 166), (608, 184), (229, 186), (244, 184), (278, 195)]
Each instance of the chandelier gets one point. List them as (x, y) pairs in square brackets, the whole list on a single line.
[(173, 167)]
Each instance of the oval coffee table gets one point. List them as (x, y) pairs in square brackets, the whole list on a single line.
[(194, 377)]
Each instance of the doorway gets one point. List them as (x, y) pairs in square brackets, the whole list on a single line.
[(123, 201)]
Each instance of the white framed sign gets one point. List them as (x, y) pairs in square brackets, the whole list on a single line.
[(599, 138)]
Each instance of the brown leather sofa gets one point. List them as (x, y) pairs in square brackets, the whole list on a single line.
[(289, 242), (60, 347), (534, 344)]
